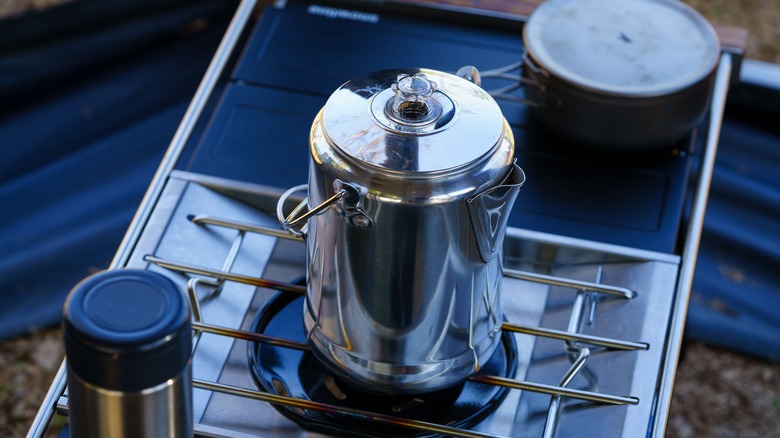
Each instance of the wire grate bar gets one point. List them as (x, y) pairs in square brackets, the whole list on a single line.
[(354, 413), (203, 219), (581, 301), (555, 401), (557, 390), (568, 282), (244, 279), (249, 336), (576, 337)]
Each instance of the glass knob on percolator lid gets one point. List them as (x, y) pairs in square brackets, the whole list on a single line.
[(412, 101)]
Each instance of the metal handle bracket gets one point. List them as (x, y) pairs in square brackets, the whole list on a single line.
[(293, 220), (348, 198)]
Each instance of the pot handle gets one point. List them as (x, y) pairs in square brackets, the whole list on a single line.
[(471, 74), (534, 72), (291, 221), (549, 99)]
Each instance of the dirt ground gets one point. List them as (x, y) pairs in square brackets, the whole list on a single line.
[(725, 395), (718, 393), (760, 17)]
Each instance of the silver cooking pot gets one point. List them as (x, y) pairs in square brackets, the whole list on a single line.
[(628, 74), (411, 181)]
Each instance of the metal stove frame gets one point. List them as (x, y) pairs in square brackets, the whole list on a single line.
[(578, 345)]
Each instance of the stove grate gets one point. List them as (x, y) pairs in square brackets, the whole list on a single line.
[(578, 346)]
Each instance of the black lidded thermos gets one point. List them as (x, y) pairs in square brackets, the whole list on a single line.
[(128, 343)]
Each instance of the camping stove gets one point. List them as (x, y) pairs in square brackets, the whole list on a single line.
[(591, 335)]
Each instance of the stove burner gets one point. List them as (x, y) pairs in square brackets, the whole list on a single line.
[(295, 373)]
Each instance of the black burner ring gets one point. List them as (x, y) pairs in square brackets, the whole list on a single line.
[(295, 373)]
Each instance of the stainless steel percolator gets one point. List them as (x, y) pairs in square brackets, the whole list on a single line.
[(411, 181)]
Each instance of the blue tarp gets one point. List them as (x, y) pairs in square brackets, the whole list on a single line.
[(735, 300), (88, 109), (93, 91)]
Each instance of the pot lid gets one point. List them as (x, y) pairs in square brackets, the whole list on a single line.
[(413, 121), (634, 48)]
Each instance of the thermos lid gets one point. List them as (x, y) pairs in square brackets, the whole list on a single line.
[(413, 121), (127, 329)]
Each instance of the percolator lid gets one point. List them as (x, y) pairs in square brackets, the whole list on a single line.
[(413, 121)]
